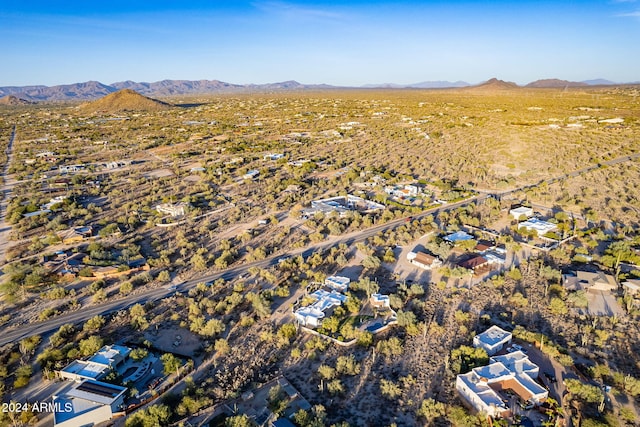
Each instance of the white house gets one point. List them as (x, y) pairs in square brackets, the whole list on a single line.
[(492, 340), (88, 404), (380, 301), (339, 283), (97, 366), (520, 211), (542, 227), (251, 174), (178, 209), (513, 371), (313, 314)]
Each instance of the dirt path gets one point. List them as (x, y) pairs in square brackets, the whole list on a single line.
[(8, 183)]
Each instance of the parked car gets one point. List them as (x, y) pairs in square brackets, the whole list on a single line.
[(550, 377)]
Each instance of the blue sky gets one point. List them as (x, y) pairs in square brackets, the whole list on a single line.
[(334, 42)]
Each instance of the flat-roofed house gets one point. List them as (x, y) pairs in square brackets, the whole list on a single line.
[(75, 235), (313, 314), (177, 209), (513, 371), (97, 366), (540, 226), (492, 340), (339, 283), (380, 301), (88, 403), (521, 211)]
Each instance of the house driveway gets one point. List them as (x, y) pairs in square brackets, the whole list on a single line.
[(603, 304)]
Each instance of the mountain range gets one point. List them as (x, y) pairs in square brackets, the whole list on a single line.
[(93, 89)]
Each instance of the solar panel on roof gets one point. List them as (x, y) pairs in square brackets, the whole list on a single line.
[(99, 389)]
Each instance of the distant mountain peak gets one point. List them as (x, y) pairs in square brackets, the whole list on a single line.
[(14, 100), (493, 84), (598, 82), (123, 100), (554, 83)]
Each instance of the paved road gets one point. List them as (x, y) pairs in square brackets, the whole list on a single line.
[(23, 331), (39, 328)]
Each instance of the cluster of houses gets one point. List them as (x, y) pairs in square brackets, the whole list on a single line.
[(484, 257), (403, 192), (46, 156), (484, 387), (530, 223), (342, 205), (332, 295)]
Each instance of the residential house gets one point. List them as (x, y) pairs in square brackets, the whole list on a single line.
[(313, 314), (339, 283), (589, 281), (424, 260), (87, 404), (476, 263), (75, 235), (521, 211), (178, 209), (36, 213), (97, 366), (514, 371), (492, 340), (54, 201), (540, 226), (71, 168), (252, 174), (380, 301)]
